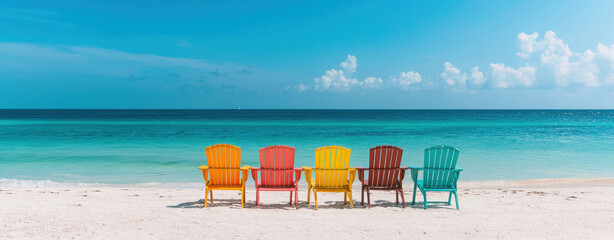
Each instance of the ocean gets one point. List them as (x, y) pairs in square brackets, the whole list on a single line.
[(167, 146)]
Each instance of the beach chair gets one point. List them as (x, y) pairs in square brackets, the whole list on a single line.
[(223, 171), (331, 173), (385, 173), (438, 174), (277, 172)]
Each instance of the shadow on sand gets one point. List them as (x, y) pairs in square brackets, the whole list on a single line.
[(235, 203)]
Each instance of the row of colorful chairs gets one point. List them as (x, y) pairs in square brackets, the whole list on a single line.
[(331, 173)]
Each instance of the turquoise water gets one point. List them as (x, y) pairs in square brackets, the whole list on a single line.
[(167, 146)]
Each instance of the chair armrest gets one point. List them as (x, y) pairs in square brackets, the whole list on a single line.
[(352, 176), (245, 171), (255, 174), (205, 170), (402, 175), (361, 174), (414, 173), (308, 174), (297, 175), (456, 176)]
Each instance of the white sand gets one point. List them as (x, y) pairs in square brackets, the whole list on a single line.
[(540, 209)]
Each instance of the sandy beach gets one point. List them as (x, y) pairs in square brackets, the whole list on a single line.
[(536, 209)]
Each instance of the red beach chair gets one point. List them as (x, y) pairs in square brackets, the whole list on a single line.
[(277, 172)]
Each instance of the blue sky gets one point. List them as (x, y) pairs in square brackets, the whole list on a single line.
[(311, 54)]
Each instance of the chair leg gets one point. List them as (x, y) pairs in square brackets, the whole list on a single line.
[(296, 198), (397, 197), (290, 197), (206, 193), (413, 200), (362, 195), (368, 198), (449, 198), (257, 198), (402, 197), (211, 193), (315, 198), (308, 194), (351, 199), (242, 196), (424, 194), (456, 199), (345, 198)]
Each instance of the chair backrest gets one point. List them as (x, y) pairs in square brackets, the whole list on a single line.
[(276, 157), (438, 160), (384, 166), (224, 161), (332, 164)]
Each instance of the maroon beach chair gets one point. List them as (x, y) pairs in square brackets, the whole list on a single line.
[(277, 172), (385, 172)]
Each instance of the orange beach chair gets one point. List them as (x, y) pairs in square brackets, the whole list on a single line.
[(223, 171)]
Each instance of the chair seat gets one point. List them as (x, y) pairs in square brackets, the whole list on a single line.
[(346, 186), (224, 186), (259, 185), (366, 184), (420, 184)]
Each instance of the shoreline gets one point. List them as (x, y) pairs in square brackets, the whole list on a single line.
[(486, 184)]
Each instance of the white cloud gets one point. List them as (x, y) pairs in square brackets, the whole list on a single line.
[(372, 82), (606, 53), (335, 80), (453, 76), (556, 56), (350, 65), (406, 80), (549, 63), (562, 65), (477, 78), (342, 80), (526, 43), (507, 77)]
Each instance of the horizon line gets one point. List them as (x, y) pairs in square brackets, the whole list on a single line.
[(238, 109)]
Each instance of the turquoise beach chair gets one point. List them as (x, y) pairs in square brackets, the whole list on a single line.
[(438, 174)]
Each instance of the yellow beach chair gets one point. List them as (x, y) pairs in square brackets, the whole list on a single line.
[(223, 171), (331, 173)]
